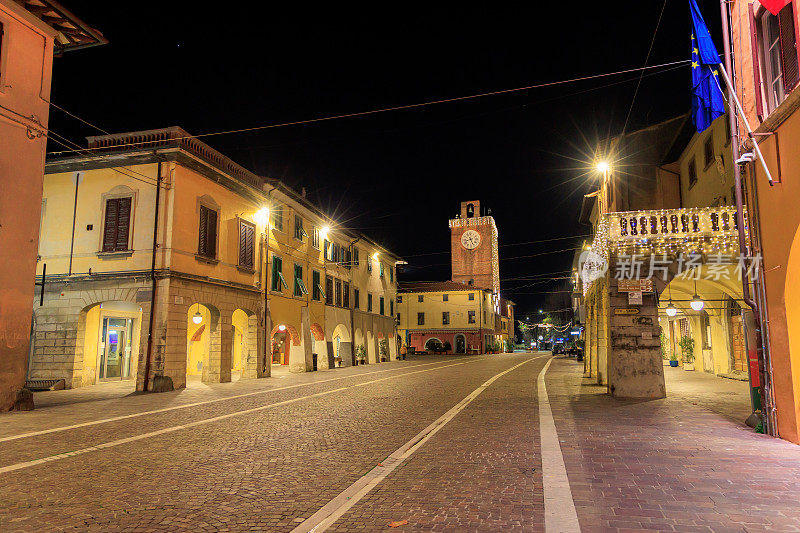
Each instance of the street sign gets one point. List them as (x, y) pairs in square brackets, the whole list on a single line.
[(627, 311), (635, 298)]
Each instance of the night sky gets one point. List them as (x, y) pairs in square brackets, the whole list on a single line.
[(398, 176)]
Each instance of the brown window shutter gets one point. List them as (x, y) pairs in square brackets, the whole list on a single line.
[(110, 225), (791, 73), (201, 246), (211, 233), (756, 66), (123, 223), (246, 244)]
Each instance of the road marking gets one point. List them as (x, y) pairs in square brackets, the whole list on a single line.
[(559, 507), (172, 429), (338, 506), (194, 404)]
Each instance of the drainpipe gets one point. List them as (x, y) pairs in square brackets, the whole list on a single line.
[(765, 385), (74, 219), (147, 360)]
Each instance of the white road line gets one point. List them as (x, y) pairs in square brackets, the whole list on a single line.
[(111, 444), (334, 509), (194, 404), (559, 508)]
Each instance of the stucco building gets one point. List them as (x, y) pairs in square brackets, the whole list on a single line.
[(466, 313), (246, 273), (30, 33)]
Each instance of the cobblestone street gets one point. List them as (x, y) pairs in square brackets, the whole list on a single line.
[(269, 454)]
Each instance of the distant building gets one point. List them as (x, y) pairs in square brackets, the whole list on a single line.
[(466, 314), (30, 33)]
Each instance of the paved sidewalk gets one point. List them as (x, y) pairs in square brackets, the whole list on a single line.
[(725, 396), (669, 465)]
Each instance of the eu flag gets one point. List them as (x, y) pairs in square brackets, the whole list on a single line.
[(707, 102)]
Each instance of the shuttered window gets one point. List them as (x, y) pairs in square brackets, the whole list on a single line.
[(299, 284), (338, 293), (207, 245), (116, 229), (346, 295), (247, 236), (381, 307), (329, 290), (356, 299), (788, 47), (369, 303), (278, 281), (316, 288)]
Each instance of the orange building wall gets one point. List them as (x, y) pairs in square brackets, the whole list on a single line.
[(24, 89)]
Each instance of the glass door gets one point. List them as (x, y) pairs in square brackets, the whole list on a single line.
[(115, 356)]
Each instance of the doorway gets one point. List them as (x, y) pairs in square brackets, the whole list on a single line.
[(115, 353), (461, 344)]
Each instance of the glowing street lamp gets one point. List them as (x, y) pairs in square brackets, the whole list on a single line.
[(281, 327), (671, 309), (696, 303), (197, 317), (602, 166), (262, 216)]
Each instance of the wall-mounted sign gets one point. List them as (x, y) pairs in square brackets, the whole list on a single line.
[(635, 298), (635, 285), (647, 334), (627, 311)]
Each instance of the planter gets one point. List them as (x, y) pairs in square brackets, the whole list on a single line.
[(383, 359), (666, 362), (673, 364), (688, 366)]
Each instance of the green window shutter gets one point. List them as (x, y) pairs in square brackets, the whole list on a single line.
[(277, 267)]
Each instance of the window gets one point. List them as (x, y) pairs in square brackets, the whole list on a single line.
[(316, 289), (346, 295), (348, 257), (326, 246), (369, 265), (116, 229), (777, 56), (299, 232), (692, 173), (356, 299), (471, 296), (247, 238), (276, 217), (391, 307), (299, 284), (278, 281), (398, 317), (315, 238), (328, 290), (445, 297), (369, 303), (399, 299), (338, 284), (445, 318), (708, 150), (381, 306), (355, 256), (420, 319), (420, 298), (380, 266), (391, 274), (471, 316)]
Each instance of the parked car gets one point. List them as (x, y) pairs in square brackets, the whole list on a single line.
[(558, 349)]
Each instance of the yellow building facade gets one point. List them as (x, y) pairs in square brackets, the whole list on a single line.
[(247, 273)]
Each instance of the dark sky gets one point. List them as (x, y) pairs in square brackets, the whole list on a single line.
[(398, 176)]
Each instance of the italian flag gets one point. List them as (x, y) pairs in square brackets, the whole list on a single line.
[(773, 6)]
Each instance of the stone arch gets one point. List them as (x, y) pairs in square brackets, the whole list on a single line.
[(429, 341), (291, 330), (244, 348), (283, 338), (204, 343), (317, 332), (459, 343)]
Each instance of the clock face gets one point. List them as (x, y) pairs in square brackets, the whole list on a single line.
[(470, 239)]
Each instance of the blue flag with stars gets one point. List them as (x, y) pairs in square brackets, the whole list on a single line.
[(707, 102)]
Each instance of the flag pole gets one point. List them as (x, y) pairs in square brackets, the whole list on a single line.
[(732, 94)]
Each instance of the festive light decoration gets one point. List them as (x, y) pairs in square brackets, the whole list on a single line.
[(662, 232)]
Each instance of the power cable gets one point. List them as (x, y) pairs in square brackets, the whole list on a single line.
[(408, 106)]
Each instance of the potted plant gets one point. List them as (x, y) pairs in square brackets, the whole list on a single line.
[(665, 355), (673, 359), (687, 351), (383, 349), (361, 354)]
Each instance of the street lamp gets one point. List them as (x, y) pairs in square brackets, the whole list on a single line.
[(262, 216), (602, 166), (198, 317), (696, 303), (671, 309)]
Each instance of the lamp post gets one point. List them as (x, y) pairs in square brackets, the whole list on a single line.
[(604, 168)]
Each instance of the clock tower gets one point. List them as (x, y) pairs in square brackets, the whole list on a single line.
[(473, 248)]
